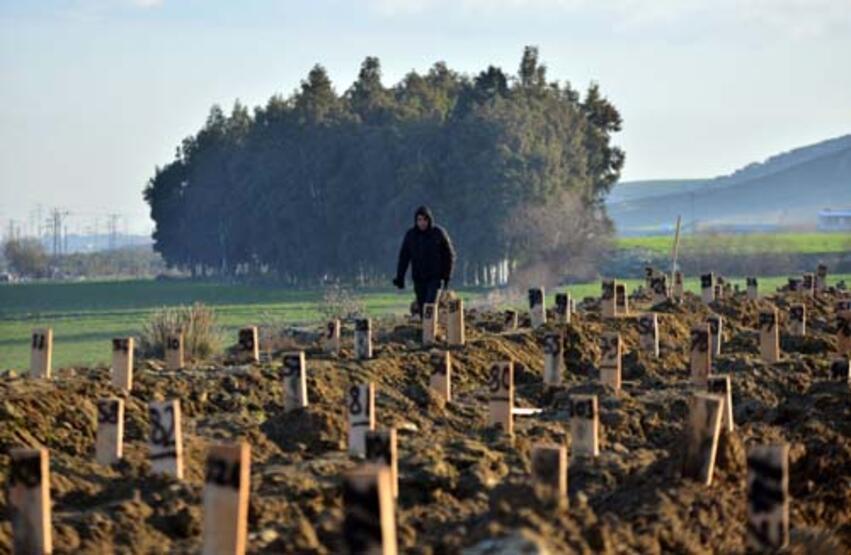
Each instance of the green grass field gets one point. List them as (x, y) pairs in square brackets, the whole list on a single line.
[(788, 243), (86, 316)]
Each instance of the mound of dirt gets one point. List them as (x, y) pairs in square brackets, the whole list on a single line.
[(462, 486)]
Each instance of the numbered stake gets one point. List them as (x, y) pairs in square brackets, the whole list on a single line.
[(821, 278), (843, 332), (363, 339), (808, 284), (369, 524), (165, 442), (249, 345), (798, 319), (537, 311), (700, 357), (455, 334), (109, 446), (702, 432), (584, 426), (429, 324), (501, 388), (174, 352), (510, 320), (769, 335), (226, 490), (607, 298), (768, 497), (716, 334), (295, 381), (331, 338), (753, 288), (659, 288), (41, 353), (707, 287), (381, 450), (549, 473), (440, 381), (563, 308), (611, 349), (648, 333), (553, 344), (621, 300), (28, 498), (360, 404), (719, 384), (122, 363)]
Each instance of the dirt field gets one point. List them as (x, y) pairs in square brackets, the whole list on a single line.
[(462, 485)]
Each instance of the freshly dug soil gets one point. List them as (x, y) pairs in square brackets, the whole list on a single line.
[(462, 486)]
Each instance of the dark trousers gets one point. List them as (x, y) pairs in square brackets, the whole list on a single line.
[(426, 292)]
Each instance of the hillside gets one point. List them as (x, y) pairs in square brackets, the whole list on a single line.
[(786, 190)]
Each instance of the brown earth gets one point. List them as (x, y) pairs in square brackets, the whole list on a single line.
[(462, 485)]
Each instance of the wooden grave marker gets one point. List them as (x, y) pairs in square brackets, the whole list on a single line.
[(821, 278), (798, 319), (248, 345), (679, 286), (607, 299), (707, 287), (716, 333), (843, 332), (702, 432), (295, 381), (381, 450), (549, 473), (659, 288), (753, 288), (174, 345), (719, 384), (563, 313), (429, 324), (649, 273), (768, 497), (165, 442), (122, 363), (621, 300), (28, 499), (455, 333), (41, 353), (369, 525), (109, 445), (440, 381), (808, 283), (225, 499), (700, 357), (718, 291), (769, 335), (537, 311), (360, 404), (648, 333), (509, 321), (363, 338), (584, 426), (611, 349), (501, 404), (331, 337), (795, 284), (553, 358)]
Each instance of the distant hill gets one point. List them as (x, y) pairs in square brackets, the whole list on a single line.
[(787, 189)]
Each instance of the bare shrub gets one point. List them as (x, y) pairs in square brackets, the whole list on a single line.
[(559, 239), (201, 334), (340, 302)]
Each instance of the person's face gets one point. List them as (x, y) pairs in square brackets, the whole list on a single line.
[(422, 222)]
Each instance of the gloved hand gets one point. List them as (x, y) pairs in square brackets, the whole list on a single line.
[(399, 282)]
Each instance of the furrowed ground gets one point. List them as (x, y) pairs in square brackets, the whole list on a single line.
[(462, 485)]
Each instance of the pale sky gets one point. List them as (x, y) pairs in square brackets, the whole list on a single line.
[(95, 93)]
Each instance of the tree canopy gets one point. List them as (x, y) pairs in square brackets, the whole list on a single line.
[(321, 185)]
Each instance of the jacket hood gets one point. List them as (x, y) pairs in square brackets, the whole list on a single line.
[(424, 211)]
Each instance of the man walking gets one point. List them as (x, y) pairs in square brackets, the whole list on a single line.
[(428, 249)]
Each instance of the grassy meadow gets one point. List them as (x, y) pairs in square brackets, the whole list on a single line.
[(785, 243), (85, 316)]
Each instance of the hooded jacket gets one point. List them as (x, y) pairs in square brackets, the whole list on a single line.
[(429, 252)]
